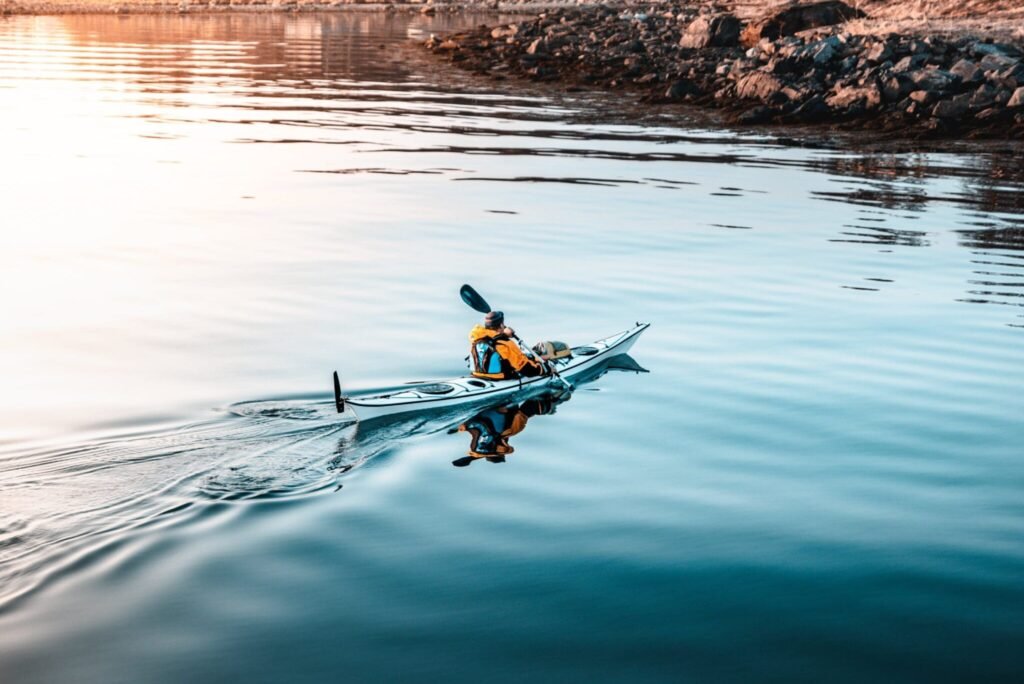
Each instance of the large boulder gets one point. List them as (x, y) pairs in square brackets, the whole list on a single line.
[(799, 18), (715, 30)]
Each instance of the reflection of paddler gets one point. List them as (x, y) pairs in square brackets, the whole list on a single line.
[(490, 430)]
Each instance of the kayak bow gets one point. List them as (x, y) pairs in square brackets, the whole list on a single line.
[(469, 390)]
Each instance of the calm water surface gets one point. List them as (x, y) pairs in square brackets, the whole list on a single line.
[(820, 478)]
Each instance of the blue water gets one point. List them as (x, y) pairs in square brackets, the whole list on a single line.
[(820, 478)]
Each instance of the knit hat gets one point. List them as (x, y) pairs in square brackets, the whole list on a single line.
[(494, 319)]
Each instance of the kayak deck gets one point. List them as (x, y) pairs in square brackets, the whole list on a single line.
[(465, 390)]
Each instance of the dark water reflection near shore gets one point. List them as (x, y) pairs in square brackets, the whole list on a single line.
[(203, 216)]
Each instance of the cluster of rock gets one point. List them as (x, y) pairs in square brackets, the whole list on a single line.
[(797, 66), (427, 7)]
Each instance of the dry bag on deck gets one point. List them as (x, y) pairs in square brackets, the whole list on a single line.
[(552, 350)]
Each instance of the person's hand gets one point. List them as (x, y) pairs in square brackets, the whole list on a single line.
[(509, 332)]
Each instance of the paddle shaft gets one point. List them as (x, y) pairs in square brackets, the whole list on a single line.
[(544, 362)]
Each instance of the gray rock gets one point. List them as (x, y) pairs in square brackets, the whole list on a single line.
[(1017, 99), (968, 71), (920, 47), (896, 87), (1012, 76), (835, 41), (910, 63), (924, 97), (878, 53), (814, 109), (984, 97), (758, 86), (996, 62), (980, 49), (785, 65), (934, 79), (953, 108), (824, 54), (718, 30)]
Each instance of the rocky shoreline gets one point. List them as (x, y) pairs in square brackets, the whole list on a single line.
[(59, 7), (800, 65)]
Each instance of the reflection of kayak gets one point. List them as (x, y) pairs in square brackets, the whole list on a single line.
[(469, 390)]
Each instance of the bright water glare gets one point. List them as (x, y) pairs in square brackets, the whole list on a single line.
[(202, 217)]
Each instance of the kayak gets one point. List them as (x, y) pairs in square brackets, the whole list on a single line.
[(469, 390)]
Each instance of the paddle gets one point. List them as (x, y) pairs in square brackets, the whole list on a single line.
[(476, 301)]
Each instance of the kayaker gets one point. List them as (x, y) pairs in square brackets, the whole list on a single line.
[(494, 353)]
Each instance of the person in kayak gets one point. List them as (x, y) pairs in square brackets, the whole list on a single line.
[(494, 354)]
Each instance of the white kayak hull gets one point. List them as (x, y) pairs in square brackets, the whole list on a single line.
[(468, 390)]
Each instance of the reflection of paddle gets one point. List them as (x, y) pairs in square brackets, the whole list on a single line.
[(475, 301)]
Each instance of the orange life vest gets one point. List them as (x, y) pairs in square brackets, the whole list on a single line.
[(494, 356)]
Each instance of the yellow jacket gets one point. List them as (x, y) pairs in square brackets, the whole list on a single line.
[(507, 349)]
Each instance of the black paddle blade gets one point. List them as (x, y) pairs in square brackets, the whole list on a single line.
[(473, 299), (339, 401)]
